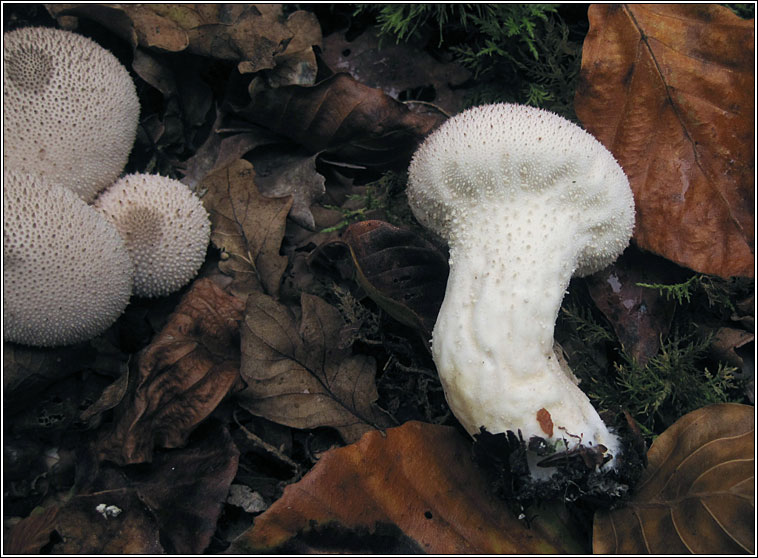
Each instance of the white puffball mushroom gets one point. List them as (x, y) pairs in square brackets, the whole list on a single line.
[(66, 273), (165, 227), (70, 109), (525, 200)]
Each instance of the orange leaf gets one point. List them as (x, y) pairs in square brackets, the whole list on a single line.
[(418, 477), (668, 89)]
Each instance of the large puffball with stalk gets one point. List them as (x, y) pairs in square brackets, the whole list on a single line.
[(165, 227), (525, 199), (70, 109)]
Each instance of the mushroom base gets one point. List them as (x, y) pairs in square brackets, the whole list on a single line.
[(508, 462)]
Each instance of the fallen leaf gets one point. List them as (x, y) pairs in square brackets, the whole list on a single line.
[(172, 506), (112, 521), (253, 34), (185, 489), (396, 68), (354, 123), (247, 227), (400, 271), (220, 150), (417, 481), (669, 90), (284, 172), (29, 535), (640, 316), (697, 493), (181, 377), (27, 371), (300, 375)]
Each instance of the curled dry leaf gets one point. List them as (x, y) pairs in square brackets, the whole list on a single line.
[(352, 122), (418, 479), (668, 89), (400, 271), (247, 227), (302, 376), (181, 377), (697, 493)]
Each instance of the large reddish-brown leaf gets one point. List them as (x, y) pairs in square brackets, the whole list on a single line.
[(697, 494), (247, 227), (400, 271), (356, 124), (418, 481), (303, 375), (669, 90), (182, 376)]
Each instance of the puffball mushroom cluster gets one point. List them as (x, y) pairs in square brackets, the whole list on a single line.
[(525, 200), (70, 265)]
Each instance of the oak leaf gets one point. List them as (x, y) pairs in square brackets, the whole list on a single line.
[(697, 492), (247, 227), (669, 90), (417, 481), (303, 376)]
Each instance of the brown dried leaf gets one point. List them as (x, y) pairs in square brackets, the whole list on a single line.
[(400, 271), (287, 172), (697, 493), (396, 67), (354, 123), (29, 535), (417, 480), (640, 316), (85, 530), (302, 376), (247, 227), (188, 369), (27, 371), (668, 88), (251, 33), (185, 489)]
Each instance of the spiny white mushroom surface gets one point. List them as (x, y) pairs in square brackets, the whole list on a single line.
[(525, 199), (66, 273), (165, 227), (70, 109)]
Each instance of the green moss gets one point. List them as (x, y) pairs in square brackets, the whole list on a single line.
[(523, 53), (679, 379)]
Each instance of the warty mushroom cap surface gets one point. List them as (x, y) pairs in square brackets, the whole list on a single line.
[(525, 200), (165, 227), (66, 273), (70, 109)]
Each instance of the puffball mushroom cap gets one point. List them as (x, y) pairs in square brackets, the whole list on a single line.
[(70, 109), (165, 227), (67, 275), (525, 199)]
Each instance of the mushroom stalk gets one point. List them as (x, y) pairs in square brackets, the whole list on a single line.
[(493, 340)]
